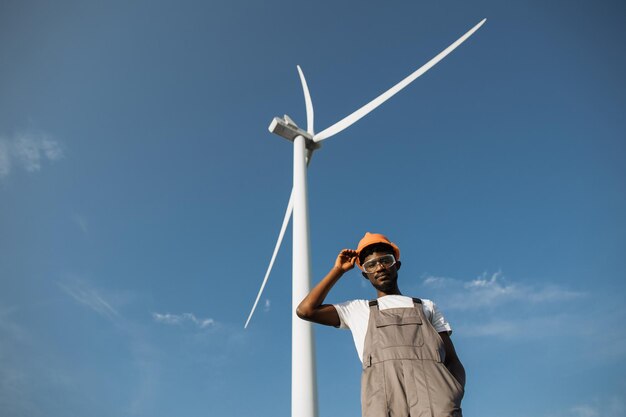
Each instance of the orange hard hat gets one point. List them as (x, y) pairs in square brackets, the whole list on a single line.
[(372, 239)]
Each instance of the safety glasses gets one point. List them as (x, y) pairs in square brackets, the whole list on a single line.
[(387, 261)]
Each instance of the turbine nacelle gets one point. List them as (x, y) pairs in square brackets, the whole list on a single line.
[(289, 130)]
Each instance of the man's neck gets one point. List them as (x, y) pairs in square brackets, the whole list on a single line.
[(395, 291)]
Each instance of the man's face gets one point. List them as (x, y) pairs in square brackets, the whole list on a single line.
[(383, 279)]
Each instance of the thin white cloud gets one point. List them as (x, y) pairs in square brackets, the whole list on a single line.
[(10, 328), (512, 310), (28, 150), (609, 406), (267, 306), (89, 297), (581, 327), (81, 222), (523, 327), (22, 373), (179, 319), (147, 363), (5, 158), (436, 282), (501, 328), (490, 290), (584, 411)]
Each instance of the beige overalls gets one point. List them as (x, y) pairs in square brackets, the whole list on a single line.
[(403, 370)]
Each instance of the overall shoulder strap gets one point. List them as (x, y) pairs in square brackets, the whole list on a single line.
[(370, 334)]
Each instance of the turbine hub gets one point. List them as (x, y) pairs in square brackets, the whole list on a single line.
[(288, 129)]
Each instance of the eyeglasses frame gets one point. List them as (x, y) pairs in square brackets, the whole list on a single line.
[(377, 262)]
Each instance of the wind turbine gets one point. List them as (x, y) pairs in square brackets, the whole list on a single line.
[(303, 375)]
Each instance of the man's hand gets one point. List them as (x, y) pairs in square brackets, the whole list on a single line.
[(345, 260), (452, 361)]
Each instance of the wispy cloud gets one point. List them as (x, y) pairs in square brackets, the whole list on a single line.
[(584, 411), (492, 305), (179, 319), (490, 290), (89, 297), (536, 327), (612, 406), (5, 158), (147, 362), (9, 327), (28, 150), (81, 222), (26, 366), (267, 306)]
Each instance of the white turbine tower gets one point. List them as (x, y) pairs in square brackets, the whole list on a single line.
[(303, 376)]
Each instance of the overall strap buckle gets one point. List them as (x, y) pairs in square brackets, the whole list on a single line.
[(367, 362)]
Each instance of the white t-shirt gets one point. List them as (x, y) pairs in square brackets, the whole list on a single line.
[(355, 315)]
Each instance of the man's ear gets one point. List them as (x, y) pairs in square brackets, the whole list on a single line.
[(398, 265)]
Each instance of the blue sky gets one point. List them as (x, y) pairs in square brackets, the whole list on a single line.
[(141, 195)]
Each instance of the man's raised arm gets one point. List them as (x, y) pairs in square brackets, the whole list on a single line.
[(312, 307)]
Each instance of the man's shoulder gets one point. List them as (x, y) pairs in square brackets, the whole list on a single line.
[(359, 303), (427, 303), (352, 313), (403, 300)]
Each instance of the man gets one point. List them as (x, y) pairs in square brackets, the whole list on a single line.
[(410, 366)]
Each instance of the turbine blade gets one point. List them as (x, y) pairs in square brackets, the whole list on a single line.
[(281, 234), (352, 118), (307, 100), (269, 268)]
